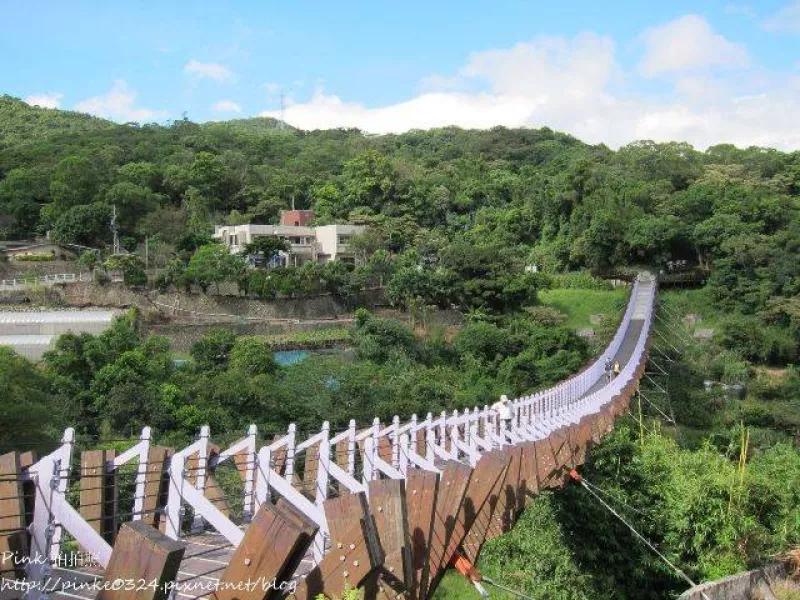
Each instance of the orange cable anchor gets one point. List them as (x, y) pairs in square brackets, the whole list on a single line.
[(462, 564)]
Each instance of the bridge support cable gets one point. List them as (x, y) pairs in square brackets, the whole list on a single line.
[(588, 487)]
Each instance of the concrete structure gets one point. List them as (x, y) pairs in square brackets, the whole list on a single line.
[(318, 244)]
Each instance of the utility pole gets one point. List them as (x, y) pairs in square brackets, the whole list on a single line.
[(114, 228)]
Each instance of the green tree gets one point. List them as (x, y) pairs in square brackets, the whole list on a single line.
[(87, 224), (214, 264), (31, 414), (75, 181), (251, 356), (132, 267)]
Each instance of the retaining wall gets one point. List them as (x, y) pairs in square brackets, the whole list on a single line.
[(743, 586)]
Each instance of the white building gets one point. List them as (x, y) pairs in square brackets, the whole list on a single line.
[(306, 243)]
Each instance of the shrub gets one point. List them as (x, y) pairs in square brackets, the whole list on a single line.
[(34, 257)]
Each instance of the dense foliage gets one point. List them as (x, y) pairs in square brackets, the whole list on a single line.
[(460, 213), (114, 383), (699, 508)]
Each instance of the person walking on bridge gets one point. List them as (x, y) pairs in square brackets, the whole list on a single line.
[(616, 368), (608, 370), (503, 410)]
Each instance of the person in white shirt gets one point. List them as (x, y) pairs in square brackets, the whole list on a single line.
[(503, 409)]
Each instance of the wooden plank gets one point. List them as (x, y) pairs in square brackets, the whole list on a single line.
[(545, 462), (597, 428), (341, 453), (422, 489), (98, 492), (452, 488), (348, 563), (272, 542), (480, 528), (505, 513), (562, 451), (354, 549), (156, 487), (141, 553), (13, 538), (310, 468), (387, 500), (26, 460), (583, 435), (529, 481), (291, 513), (421, 445), (385, 449), (489, 469)]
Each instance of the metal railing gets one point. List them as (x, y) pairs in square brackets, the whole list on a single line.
[(46, 279)]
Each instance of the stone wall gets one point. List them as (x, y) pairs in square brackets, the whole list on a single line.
[(195, 306), (744, 586), (18, 269), (182, 335)]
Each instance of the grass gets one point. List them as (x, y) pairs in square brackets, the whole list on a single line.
[(309, 339), (579, 304), (698, 301), (455, 587)]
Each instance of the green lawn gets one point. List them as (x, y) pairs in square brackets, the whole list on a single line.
[(579, 304), (455, 587), (699, 301)]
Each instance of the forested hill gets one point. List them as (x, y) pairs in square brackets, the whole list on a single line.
[(22, 123), (444, 198)]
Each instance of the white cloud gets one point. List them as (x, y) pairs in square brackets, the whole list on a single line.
[(577, 85), (118, 104), (785, 19), (47, 100), (214, 71), (688, 43), (226, 106)]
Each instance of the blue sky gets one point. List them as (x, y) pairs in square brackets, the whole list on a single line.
[(608, 72)]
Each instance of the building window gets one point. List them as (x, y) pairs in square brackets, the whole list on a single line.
[(343, 239), (233, 240)]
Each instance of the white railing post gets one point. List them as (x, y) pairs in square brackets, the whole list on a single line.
[(395, 441), (404, 448), (289, 474), (368, 469), (249, 474), (202, 470), (39, 568), (64, 469), (429, 438), (454, 436), (323, 474), (264, 469), (174, 509), (141, 474), (351, 448)]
